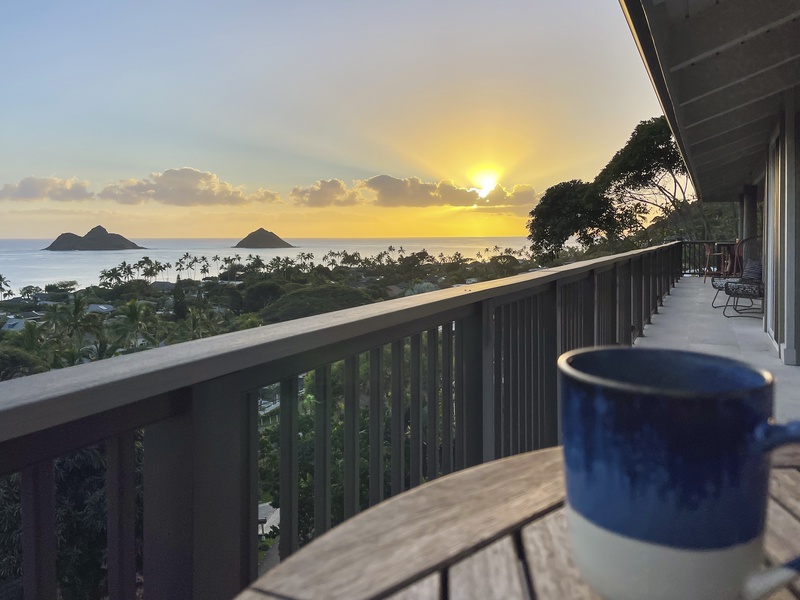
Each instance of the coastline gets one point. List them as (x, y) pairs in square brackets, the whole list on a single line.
[(25, 262)]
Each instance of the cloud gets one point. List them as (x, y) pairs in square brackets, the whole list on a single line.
[(326, 192), (47, 188), (183, 187), (412, 191)]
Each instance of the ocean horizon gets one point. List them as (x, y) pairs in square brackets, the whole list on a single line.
[(24, 262)]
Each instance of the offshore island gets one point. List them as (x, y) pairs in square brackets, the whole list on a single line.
[(261, 238), (97, 239)]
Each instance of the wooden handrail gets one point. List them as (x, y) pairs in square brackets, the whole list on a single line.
[(481, 359)]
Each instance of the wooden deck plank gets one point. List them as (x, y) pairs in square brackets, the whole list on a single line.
[(784, 486), (429, 588), (493, 573), (417, 533), (782, 540), (549, 557), (787, 456)]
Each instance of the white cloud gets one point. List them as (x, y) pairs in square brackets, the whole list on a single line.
[(327, 192), (183, 187), (47, 188)]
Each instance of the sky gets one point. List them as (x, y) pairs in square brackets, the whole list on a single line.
[(310, 118)]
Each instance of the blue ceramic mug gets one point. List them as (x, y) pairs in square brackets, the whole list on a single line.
[(667, 467)]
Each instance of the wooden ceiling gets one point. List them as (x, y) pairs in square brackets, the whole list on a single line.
[(722, 70)]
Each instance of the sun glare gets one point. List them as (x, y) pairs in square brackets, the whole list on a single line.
[(485, 182)]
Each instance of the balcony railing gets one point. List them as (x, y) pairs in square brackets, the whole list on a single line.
[(455, 378)]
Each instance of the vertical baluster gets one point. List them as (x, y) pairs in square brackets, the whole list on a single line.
[(646, 289), (513, 378), (121, 515), (623, 292), (517, 378), (548, 355), (322, 450), (289, 474), (637, 297), (507, 399), (38, 498), (415, 368), (351, 432), (447, 398), (460, 420), (534, 361), (376, 407), (433, 404), (500, 362), (398, 419)]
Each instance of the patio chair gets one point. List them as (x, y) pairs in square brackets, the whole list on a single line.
[(750, 248), (744, 290), (709, 248), (750, 286)]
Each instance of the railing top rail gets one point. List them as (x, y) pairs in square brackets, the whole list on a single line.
[(39, 402)]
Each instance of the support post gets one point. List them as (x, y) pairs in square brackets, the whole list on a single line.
[(38, 496), (789, 350)]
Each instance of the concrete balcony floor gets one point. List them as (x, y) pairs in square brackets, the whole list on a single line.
[(687, 322)]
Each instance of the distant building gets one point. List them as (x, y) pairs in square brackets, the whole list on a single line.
[(103, 309), (13, 324)]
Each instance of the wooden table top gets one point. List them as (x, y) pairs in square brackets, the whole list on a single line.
[(497, 530)]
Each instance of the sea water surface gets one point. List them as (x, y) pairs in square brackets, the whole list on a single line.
[(24, 262)]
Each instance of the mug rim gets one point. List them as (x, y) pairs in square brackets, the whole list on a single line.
[(566, 368)]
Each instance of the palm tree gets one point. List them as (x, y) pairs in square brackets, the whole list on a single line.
[(5, 287), (134, 326)]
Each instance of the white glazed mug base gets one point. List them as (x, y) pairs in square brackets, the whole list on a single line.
[(622, 568)]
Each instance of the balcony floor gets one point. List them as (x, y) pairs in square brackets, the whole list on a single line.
[(687, 321)]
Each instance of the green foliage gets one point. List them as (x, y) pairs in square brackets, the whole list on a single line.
[(16, 362), (260, 295), (313, 300), (576, 208), (649, 154)]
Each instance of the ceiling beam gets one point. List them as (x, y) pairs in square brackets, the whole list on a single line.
[(739, 64), (765, 85), (724, 157), (725, 25), (758, 128), (731, 120)]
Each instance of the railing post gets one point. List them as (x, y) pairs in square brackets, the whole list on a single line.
[(201, 496), (376, 417), (351, 427), (168, 516), (647, 295), (550, 349), (478, 386), (38, 498), (398, 419), (289, 468), (589, 308), (322, 450), (637, 297), (121, 519), (624, 320)]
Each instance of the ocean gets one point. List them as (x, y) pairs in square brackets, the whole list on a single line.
[(23, 262)]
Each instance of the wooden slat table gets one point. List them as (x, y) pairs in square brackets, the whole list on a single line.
[(493, 531)]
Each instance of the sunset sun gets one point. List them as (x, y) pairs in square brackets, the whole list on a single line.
[(485, 182)]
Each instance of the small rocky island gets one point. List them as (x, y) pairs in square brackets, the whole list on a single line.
[(97, 239), (261, 238)]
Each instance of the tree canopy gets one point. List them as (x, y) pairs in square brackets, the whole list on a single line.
[(645, 181), (576, 208)]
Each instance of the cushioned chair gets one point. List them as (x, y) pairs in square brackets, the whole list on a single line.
[(750, 248), (744, 290), (749, 286)]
